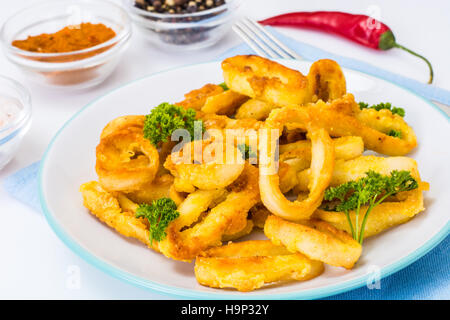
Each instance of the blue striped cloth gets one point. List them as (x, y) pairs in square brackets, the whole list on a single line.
[(427, 278)]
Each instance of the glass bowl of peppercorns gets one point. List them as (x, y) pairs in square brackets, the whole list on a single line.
[(187, 24)]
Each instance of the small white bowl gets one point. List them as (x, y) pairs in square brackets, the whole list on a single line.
[(76, 69), (12, 133)]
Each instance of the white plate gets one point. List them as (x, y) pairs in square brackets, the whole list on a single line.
[(70, 159)]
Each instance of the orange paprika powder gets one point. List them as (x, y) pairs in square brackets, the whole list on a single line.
[(68, 39)]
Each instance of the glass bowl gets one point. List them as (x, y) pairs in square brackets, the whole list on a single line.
[(12, 133), (187, 30), (76, 69)]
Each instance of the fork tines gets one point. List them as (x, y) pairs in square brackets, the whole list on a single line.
[(261, 41)]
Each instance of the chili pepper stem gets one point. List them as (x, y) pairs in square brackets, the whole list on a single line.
[(396, 45)]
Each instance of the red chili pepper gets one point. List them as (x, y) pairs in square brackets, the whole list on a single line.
[(357, 27)]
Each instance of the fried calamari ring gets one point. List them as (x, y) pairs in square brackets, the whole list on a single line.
[(224, 103), (384, 121), (158, 188), (196, 99), (345, 148), (297, 156), (280, 86), (107, 209), (254, 109), (384, 216), (197, 229), (322, 165), (239, 234), (354, 169), (266, 80), (316, 239), (215, 171), (123, 122), (326, 80), (125, 160), (371, 125), (249, 265), (214, 121)]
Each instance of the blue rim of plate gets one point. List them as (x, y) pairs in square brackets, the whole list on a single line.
[(186, 293)]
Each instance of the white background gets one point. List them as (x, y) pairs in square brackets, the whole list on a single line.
[(36, 264)]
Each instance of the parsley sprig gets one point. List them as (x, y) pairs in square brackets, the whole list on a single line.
[(159, 214), (370, 190), (165, 119)]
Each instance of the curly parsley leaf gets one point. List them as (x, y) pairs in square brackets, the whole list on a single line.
[(165, 119), (159, 214)]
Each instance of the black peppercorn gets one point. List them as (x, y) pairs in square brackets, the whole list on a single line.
[(186, 35), (177, 6)]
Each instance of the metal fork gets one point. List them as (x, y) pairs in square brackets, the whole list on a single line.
[(261, 41)]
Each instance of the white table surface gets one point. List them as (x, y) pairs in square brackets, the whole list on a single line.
[(36, 264)]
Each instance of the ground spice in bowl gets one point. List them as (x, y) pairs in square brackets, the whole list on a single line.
[(58, 47), (72, 38), (69, 39)]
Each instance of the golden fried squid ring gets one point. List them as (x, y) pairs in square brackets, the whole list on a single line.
[(354, 169), (326, 80), (220, 122), (371, 125), (196, 99), (296, 156), (158, 188), (266, 80), (224, 103), (384, 121), (214, 172), (384, 216), (278, 85), (254, 109), (105, 206), (239, 234), (249, 265), (123, 122), (345, 148), (196, 229), (316, 239), (126, 160), (322, 164)]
